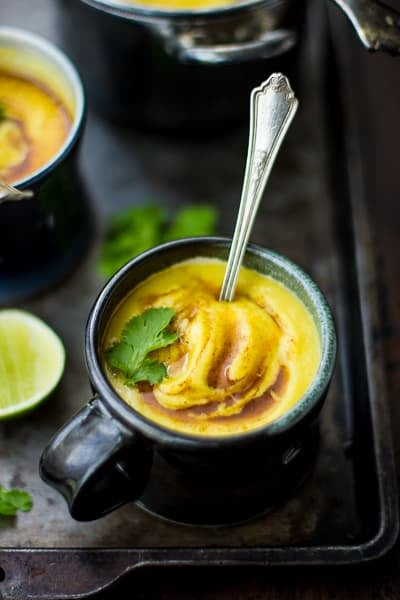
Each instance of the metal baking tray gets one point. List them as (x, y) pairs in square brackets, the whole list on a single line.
[(346, 512)]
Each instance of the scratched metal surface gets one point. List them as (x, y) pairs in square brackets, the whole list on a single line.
[(298, 218)]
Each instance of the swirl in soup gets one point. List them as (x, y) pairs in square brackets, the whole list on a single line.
[(235, 366)]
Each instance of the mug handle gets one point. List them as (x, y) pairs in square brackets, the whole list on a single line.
[(96, 463), (266, 45)]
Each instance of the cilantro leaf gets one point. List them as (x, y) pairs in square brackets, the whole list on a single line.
[(130, 232), (191, 221), (149, 328), (137, 229), (141, 335), (121, 357), (150, 370), (13, 500)]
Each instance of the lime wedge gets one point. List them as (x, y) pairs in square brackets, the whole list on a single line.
[(32, 360)]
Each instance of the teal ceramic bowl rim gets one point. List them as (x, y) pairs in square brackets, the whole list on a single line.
[(131, 418), (26, 41)]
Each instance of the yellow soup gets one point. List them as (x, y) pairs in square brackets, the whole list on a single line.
[(34, 124), (236, 365), (181, 4)]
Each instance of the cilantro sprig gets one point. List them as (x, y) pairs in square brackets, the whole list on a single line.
[(13, 500), (134, 230), (142, 335)]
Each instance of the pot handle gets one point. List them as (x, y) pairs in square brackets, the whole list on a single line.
[(266, 45), (376, 24), (96, 463)]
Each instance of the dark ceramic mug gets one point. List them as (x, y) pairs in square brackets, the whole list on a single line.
[(192, 55), (108, 454), (44, 236)]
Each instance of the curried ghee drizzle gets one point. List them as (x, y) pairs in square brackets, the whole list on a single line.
[(236, 365)]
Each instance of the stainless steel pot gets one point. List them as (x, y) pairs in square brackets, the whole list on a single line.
[(172, 69)]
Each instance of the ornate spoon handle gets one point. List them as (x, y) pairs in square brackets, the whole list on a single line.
[(272, 108)]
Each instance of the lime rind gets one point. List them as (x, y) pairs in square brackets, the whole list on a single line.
[(32, 362)]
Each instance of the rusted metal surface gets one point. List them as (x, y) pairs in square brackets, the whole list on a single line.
[(345, 512)]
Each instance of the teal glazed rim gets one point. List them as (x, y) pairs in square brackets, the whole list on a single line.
[(261, 259)]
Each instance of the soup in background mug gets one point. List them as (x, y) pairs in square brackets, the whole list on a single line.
[(41, 101), (34, 124)]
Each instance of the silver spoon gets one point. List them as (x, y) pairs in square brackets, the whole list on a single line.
[(272, 108), (10, 193)]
